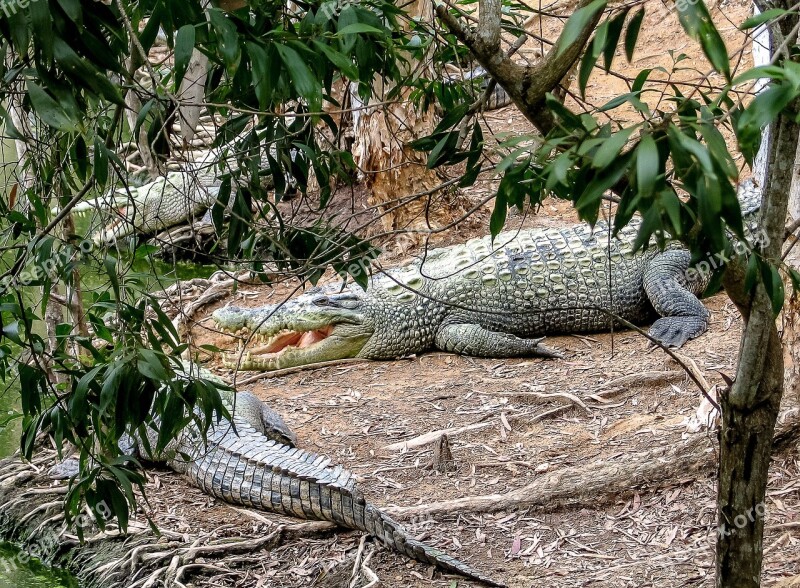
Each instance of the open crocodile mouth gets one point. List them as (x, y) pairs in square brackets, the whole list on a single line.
[(110, 231), (285, 340)]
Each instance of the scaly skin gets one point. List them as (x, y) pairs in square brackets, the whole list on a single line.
[(488, 300), (165, 202), (254, 463), (499, 98), (181, 196), (168, 200)]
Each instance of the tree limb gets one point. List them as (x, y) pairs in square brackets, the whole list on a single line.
[(526, 85)]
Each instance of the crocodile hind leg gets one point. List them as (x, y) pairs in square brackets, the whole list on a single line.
[(472, 339), (673, 293)]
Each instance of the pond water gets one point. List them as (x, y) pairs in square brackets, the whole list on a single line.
[(16, 572)]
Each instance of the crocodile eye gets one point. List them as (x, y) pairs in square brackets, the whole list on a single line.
[(321, 301), (347, 302)]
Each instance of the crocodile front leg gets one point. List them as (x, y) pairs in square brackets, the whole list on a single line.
[(673, 294), (263, 418), (472, 339)]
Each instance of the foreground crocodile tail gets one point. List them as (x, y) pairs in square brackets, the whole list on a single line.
[(242, 465), (250, 460)]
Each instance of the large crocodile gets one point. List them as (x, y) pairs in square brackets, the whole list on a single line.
[(251, 460), (488, 298)]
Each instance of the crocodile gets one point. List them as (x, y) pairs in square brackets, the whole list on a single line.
[(497, 98), (489, 298), (168, 200), (252, 460), (182, 195)]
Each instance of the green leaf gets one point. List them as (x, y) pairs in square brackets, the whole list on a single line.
[(72, 8), (184, 46), (672, 206), (588, 62), (444, 150), (765, 16), (340, 60), (774, 72), (614, 32), (498, 218), (110, 265), (48, 109), (697, 23), (11, 332), (760, 112), (259, 71), (632, 33), (611, 147), (100, 165), (303, 80), (227, 35), (357, 28), (150, 366), (110, 388), (82, 71), (794, 276), (42, 23), (773, 284), (20, 33), (577, 24), (647, 165)]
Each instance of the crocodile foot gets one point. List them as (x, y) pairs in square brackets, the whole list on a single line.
[(674, 331)]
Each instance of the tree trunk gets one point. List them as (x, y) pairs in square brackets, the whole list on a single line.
[(192, 95), (750, 408)]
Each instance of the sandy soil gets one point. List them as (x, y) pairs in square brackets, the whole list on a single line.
[(610, 399)]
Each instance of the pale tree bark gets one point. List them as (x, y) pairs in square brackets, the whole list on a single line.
[(392, 171), (132, 110), (192, 94), (21, 120)]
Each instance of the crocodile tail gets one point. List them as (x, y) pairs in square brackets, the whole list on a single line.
[(392, 533)]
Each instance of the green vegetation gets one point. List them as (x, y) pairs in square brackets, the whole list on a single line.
[(69, 64)]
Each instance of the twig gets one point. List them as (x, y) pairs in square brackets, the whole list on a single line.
[(357, 563), (567, 395), (298, 368), (372, 576)]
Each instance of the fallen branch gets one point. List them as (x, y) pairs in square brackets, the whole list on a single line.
[(432, 436), (543, 395), (594, 482)]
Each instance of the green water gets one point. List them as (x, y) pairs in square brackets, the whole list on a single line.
[(16, 569), (17, 572)]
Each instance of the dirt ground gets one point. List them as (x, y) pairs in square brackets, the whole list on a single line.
[(611, 400)]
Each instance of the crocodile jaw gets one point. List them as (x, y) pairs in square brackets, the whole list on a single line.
[(118, 228), (289, 349)]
